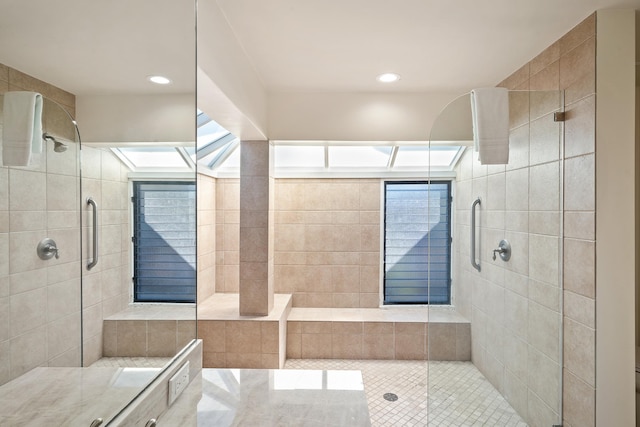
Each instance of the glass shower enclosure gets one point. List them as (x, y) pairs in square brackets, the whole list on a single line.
[(512, 302)]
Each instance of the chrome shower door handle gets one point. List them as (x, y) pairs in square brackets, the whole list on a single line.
[(473, 234), (94, 205)]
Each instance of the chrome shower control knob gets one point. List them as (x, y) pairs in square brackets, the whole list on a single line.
[(47, 249), (55, 250), (504, 250)]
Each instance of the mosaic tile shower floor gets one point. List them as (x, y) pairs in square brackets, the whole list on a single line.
[(460, 395)]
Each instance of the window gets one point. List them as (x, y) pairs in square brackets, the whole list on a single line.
[(164, 241), (347, 159), (417, 242)]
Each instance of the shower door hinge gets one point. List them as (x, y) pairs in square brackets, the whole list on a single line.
[(559, 116), (133, 240)]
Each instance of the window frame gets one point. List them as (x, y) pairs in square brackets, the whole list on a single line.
[(155, 178), (451, 259)]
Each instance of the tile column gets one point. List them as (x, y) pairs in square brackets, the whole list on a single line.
[(256, 228)]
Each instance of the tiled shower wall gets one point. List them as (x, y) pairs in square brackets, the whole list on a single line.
[(40, 300), (227, 235), (515, 306), (206, 236), (106, 289), (327, 240)]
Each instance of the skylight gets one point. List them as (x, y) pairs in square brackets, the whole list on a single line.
[(422, 156), (302, 159), (359, 156), (299, 156), (153, 157), (210, 131), (217, 153)]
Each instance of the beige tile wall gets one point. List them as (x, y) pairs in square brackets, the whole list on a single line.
[(252, 344), (206, 236), (256, 228), (515, 307), (106, 287), (326, 240), (40, 300), (146, 338), (378, 340), (235, 341), (227, 235)]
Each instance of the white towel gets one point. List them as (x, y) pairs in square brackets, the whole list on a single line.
[(22, 127), (490, 115)]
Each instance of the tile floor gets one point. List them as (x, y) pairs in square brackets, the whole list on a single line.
[(460, 395)]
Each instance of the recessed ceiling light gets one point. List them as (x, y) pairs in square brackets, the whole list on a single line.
[(388, 78), (160, 80)]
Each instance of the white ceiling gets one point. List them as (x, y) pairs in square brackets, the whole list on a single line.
[(101, 47), (91, 47), (435, 45)]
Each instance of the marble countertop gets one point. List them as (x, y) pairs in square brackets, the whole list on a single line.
[(70, 396), (271, 397)]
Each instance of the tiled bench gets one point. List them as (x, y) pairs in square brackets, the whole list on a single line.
[(148, 331), (408, 333), (234, 341)]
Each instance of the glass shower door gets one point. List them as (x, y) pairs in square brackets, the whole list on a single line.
[(40, 308), (504, 321)]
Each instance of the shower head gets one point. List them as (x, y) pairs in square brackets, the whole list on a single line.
[(58, 146)]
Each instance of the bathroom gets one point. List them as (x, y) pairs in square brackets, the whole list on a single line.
[(289, 111)]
